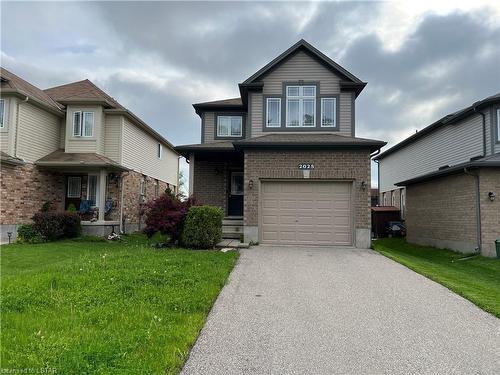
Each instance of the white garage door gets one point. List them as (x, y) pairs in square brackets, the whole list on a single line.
[(306, 212)]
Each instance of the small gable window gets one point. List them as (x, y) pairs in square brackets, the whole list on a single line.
[(160, 151), (83, 124), (328, 112), (273, 117), (229, 126), (301, 106), (498, 125)]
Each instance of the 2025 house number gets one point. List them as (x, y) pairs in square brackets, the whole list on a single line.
[(306, 166)]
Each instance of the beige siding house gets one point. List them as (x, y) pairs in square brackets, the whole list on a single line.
[(77, 148), (282, 160), (442, 177)]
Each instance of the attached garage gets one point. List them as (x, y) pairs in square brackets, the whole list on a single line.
[(306, 212)]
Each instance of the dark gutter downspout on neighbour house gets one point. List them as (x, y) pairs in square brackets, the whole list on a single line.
[(478, 210)]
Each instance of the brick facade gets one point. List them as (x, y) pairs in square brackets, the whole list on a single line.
[(343, 165), (443, 212)]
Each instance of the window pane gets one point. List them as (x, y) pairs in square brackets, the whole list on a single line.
[(77, 123), (309, 91), (236, 124), (237, 184), (92, 190), (223, 125), (293, 112), (88, 118), (159, 150), (328, 112), (2, 111), (498, 124), (308, 112), (74, 187), (292, 90), (273, 112)]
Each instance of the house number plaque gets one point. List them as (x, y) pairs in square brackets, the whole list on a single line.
[(306, 166)]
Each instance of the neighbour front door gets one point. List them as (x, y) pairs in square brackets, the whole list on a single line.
[(235, 197)]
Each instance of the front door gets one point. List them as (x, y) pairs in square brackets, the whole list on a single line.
[(235, 196)]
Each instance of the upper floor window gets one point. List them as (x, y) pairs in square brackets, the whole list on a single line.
[(328, 112), (229, 126), (498, 124), (160, 151), (273, 116), (2, 112), (83, 124), (301, 106)]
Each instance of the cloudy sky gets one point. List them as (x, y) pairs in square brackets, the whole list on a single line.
[(421, 59)]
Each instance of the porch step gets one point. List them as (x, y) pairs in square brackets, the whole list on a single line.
[(232, 227), (232, 221), (232, 244)]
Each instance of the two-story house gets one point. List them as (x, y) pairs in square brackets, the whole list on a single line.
[(282, 160), (77, 148), (446, 179)]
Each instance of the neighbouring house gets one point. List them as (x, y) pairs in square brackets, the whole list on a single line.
[(78, 148), (282, 159), (446, 179), (374, 198)]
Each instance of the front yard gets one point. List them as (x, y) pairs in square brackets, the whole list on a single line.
[(477, 278), (99, 307)]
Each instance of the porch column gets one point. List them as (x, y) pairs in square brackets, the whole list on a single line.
[(102, 193), (191, 174)]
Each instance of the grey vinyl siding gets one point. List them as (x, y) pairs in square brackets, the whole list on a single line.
[(345, 125), (452, 144), (140, 154), (62, 136), (256, 116), (301, 67), (209, 127), (36, 124), (495, 143), (8, 125), (113, 137)]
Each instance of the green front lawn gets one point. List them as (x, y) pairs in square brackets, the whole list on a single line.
[(477, 278), (114, 308)]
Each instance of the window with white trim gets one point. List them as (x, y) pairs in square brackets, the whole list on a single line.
[(328, 112), (498, 125), (74, 189), (273, 113), (229, 126), (2, 112), (160, 151), (300, 106), (157, 188), (83, 124), (402, 203)]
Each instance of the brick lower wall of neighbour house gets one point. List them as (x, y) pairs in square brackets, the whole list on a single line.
[(209, 183), (442, 213), (489, 181), (349, 165), (24, 189)]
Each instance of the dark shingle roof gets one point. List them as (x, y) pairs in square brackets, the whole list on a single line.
[(233, 101), (59, 158), (81, 91), (492, 161)]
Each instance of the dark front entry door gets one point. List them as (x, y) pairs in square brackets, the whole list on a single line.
[(235, 196)]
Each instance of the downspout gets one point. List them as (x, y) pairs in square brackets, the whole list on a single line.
[(484, 129), (17, 125), (478, 210)]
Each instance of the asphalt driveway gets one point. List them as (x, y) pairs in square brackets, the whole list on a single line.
[(289, 310)]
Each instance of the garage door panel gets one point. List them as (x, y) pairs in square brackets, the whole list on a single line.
[(306, 212)]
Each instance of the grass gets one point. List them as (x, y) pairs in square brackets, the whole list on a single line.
[(477, 278), (107, 308)]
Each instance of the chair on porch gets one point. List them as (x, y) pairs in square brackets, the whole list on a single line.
[(84, 206), (108, 206)]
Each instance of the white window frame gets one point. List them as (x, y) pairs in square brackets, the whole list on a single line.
[(498, 125), (230, 129), (81, 125), (334, 113), (160, 151), (2, 119), (278, 125), (74, 178), (402, 203), (96, 188), (301, 97)]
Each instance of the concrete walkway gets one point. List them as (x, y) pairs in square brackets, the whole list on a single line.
[(289, 310)]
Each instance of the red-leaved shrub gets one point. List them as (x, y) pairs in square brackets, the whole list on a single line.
[(166, 215)]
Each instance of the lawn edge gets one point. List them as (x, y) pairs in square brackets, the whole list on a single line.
[(436, 280)]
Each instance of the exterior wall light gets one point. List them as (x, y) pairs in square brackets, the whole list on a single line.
[(363, 185), (250, 184), (492, 196)]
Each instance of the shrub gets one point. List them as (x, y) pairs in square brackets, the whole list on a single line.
[(46, 206), (166, 215), (27, 234), (55, 225), (71, 208), (203, 227)]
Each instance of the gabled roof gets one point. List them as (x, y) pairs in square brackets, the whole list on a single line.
[(446, 120), (59, 158), (492, 161), (312, 51), (82, 91), (15, 84)]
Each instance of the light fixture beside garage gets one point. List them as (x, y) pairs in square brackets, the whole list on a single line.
[(363, 185), (492, 196), (250, 184)]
